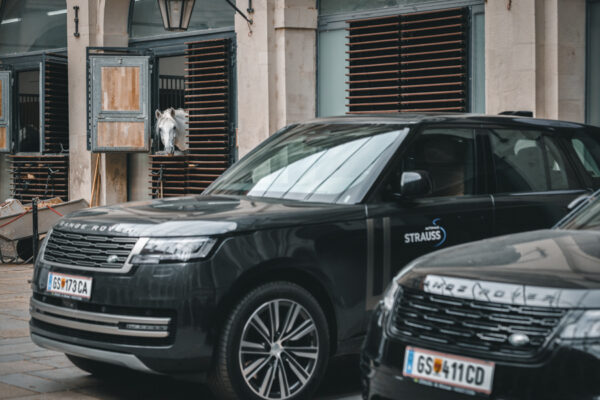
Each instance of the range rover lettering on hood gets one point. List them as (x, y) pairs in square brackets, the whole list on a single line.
[(509, 293), (168, 228)]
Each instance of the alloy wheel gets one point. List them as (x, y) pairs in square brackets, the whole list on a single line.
[(279, 349)]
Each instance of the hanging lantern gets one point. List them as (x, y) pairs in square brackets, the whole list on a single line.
[(176, 14)]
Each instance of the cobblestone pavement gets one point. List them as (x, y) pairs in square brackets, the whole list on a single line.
[(30, 372)]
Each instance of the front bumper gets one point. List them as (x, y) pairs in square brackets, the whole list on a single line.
[(156, 318), (570, 371)]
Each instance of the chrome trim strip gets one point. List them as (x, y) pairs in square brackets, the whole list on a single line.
[(102, 323), (111, 357), (139, 245)]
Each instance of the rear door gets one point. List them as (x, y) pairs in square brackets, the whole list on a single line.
[(457, 210), (533, 179)]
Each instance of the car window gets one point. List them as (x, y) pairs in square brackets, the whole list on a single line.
[(314, 162), (529, 161), (587, 148), (448, 156)]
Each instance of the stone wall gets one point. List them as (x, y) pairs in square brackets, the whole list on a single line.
[(535, 57)]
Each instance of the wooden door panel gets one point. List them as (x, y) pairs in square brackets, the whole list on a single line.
[(121, 134), (120, 88)]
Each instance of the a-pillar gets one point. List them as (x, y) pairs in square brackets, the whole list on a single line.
[(276, 67), (102, 23)]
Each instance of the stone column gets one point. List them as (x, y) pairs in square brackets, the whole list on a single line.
[(276, 68), (535, 57), (101, 23)]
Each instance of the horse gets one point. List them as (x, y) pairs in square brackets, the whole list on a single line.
[(171, 128)]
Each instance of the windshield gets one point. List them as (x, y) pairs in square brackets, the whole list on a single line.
[(333, 163), (587, 217)]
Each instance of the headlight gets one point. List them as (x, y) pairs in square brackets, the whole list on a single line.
[(389, 296), (157, 250), (586, 327)]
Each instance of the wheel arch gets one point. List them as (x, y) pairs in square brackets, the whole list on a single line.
[(281, 270)]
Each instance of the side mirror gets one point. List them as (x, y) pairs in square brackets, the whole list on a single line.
[(414, 184)]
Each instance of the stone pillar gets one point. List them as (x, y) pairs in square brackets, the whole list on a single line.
[(535, 57), (276, 68), (101, 23), (510, 75)]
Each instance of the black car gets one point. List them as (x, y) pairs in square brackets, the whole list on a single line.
[(258, 281), (512, 317)]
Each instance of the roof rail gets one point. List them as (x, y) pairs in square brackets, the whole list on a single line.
[(518, 113)]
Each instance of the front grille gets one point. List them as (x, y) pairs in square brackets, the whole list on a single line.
[(91, 251), (472, 327)]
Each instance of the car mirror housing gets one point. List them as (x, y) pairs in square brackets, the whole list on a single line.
[(414, 184)]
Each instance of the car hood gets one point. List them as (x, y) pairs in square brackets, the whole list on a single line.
[(203, 215), (553, 268)]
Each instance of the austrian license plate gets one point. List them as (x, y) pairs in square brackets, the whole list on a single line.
[(69, 285), (448, 371)]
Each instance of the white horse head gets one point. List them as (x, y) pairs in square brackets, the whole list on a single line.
[(171, 127)]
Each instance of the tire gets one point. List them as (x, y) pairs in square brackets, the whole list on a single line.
[(97, 368), (286, 362)]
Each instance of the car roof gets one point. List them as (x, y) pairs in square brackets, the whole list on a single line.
[(452, 118)]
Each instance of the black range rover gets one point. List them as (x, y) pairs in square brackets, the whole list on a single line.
[(274, 269), (512, 317)]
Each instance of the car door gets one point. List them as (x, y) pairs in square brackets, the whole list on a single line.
[(456, 211), (533, 179)]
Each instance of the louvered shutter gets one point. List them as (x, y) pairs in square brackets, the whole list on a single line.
[(408, 63), (54, 127), (42, 176), (207, 100), (5, 112), (210, 133)]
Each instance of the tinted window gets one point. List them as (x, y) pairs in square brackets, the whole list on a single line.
[(528, 161), (313, 162), (587, 148), (448, 156)]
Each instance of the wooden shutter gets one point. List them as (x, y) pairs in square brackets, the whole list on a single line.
[(408, 63), (120, 103), (210, 133), (54, 127), (43, 176), (168, 175), (374, 65), (207, 101), (5, 112)]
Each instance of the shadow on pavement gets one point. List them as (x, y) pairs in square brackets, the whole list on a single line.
[(342, 380)]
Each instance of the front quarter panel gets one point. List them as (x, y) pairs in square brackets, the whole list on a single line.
[(329, 255)]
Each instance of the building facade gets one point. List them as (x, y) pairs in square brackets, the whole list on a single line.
[(81, 80)]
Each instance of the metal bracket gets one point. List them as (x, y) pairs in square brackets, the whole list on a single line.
[(76, 33), (250, 10)]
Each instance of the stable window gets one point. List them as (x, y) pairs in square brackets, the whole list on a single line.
[(204, 91), (430, 60)]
